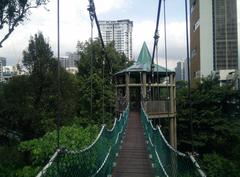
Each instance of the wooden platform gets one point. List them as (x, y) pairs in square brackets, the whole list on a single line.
[(133, 159)]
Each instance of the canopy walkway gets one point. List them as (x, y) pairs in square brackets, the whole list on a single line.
[(133, 159), (123, 151)]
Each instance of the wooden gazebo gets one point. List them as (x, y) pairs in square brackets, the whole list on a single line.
[(158, 97)]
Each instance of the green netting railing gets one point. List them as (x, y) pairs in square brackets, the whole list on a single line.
[(93, 161), (167, 161)]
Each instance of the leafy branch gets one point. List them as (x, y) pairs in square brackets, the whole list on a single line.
[(14, 12)]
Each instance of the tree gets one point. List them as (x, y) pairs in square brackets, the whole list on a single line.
[(215, 112), (38, 55), (29, 102), (14, 12), (119, 62)]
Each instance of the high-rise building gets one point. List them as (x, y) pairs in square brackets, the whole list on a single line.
[(185, 70), (4, 61), (180, 71), (215, 36), (120, 32), (69, 60)]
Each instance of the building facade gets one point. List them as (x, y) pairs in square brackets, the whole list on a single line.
[(180, 71), (120, 32), (215, 36), (4, 61), (69, 62)]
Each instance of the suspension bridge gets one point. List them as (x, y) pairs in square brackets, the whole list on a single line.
[(135, 146), (132, 148)]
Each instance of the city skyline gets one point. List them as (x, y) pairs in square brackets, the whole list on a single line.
[(75, 25)]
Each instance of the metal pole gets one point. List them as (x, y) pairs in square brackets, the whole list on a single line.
[(189, 77)]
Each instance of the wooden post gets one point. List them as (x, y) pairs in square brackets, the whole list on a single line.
[(144, 77), (173, 122), (127, 86)]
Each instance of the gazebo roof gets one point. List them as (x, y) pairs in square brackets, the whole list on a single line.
[(143, 63)]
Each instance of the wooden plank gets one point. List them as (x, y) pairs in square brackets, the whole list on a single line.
[(133, 159)]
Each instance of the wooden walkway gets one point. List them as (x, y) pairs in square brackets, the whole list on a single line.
[(133, 159)]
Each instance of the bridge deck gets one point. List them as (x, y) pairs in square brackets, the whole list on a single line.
[(133, 159)]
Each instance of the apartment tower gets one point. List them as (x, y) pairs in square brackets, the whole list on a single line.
[(215, 36), (120, 32)]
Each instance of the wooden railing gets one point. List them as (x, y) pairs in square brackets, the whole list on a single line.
[(157, 107), (120, 105)]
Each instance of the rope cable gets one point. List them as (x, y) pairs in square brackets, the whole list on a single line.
[(58, 75), (58, 83), (189, 77), (103, 92), (158, 94), (92, 13), (166, 55), (91, 74), (156, 37)]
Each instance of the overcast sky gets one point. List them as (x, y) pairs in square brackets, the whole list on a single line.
[(75, 25)]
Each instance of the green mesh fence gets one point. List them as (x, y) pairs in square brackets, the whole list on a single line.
[(96, 160), (167, 161)]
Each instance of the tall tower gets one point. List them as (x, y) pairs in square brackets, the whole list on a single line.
[(215, 36), (120, 32), (180, 71)]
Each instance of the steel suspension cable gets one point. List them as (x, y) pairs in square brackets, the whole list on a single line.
[(58, 82), (156, 36), (158, 91), (103, 92), (166, 54), (92, 13), (58, 75), (91, 72), (189, 77)]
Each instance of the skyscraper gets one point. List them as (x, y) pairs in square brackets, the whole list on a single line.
[(69, 60), (180, 71), (4, 61), (215, 36), (120, 32)]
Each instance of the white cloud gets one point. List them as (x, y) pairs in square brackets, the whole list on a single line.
[(74, 21), (75, 25), (104, 6), (144, 31)]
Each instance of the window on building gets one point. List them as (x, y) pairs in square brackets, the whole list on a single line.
[(196, 25), (193, 52), (193, 5)]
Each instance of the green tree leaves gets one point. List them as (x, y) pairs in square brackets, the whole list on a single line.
[(100, 82), (28, 105), (216, 121), (14, 12)]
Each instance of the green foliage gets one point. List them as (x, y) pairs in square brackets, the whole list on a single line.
[(217, 166), (37, 58), (13, 13), (28, 106), (28, 171), (119, 61), (40, 150), (10, 161), (215, 113), (29, 103)]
